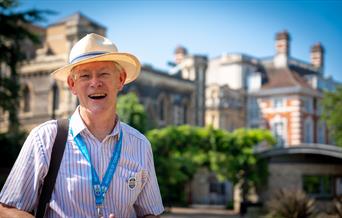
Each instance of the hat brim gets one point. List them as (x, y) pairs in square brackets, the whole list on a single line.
[(129, 62)]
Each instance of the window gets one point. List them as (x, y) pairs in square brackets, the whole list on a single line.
[(178, 114), (321, 132), (217, 187), (55, 97), (213, 120), (318, 186), (308, 136), (278, 131), (214, 98), (254, 81), (278, 103), (308, 105), (27, 99), (339, 186), (319, 108), (185, 114), (161, 109), (255, 109)]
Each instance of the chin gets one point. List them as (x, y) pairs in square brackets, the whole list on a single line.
[(98, 109)]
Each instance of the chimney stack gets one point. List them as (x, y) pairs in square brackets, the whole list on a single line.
[(282, 49), (317, 56), (179, 54), (283, 43)]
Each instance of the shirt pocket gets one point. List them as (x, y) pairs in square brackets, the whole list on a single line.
[(128, 184)]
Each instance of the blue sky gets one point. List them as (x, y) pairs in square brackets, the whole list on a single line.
[(152, 29)]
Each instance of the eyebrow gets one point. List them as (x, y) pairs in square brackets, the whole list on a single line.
[(83, 71)]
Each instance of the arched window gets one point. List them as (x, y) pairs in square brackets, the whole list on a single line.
[(27, 99), (55, 97), (185, 113), (161, 109)]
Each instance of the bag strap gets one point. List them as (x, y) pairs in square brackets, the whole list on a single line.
[(55, 162)]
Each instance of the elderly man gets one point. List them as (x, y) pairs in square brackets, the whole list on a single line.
[(107, 168)]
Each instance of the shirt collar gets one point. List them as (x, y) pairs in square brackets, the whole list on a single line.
[(77, 125)]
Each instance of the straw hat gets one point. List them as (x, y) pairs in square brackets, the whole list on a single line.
[(93, 48)]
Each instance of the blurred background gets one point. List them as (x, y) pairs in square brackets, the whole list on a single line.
[(241, 100)]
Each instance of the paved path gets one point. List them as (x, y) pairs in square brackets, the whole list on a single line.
[(177, 212)]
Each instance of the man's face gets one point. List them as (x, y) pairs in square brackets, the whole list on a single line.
[(97, 84)]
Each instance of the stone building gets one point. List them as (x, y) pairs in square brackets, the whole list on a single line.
[(225, 107), (168, 99), (42, 97)]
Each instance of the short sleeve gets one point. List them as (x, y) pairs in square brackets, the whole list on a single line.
[(21, 189), (149, 200)]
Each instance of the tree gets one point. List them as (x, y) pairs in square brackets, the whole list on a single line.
[(332, 113), (245, 167), (180, 151), (14, 30), (131, 111)]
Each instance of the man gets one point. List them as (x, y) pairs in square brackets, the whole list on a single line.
[(102, 154)]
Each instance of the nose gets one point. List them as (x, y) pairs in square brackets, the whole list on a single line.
[(95, 82)]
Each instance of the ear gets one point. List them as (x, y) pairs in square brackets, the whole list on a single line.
[(71, 85), (122, 80)]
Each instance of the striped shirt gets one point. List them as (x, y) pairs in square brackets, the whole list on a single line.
[(73, 194)]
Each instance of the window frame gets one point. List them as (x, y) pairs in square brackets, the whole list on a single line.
[(321, 194)]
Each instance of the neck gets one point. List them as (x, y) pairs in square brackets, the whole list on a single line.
[(100, 125)]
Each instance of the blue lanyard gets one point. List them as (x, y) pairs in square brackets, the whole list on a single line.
[(99, 188)]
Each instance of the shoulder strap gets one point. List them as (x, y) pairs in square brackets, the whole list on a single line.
[(56, 159)]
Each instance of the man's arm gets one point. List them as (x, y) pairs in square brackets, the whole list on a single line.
[(149, 203), (12, 212), (20, 191)]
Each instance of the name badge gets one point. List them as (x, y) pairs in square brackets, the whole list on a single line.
[(132, 182)]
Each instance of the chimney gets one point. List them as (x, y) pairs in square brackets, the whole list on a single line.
[(282, 49), (179, 54), (317, 56), (283, 43)]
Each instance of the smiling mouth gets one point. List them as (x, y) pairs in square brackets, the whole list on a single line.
[(97, 96)]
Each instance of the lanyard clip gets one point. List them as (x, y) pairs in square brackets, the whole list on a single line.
[(99, 208)]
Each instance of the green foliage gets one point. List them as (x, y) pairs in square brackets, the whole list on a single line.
[(14, 30), (291, 204), (180, 151), (132, 112), (332, 113), (245, 167)]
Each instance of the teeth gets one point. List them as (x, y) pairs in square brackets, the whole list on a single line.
[(97, 95)]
